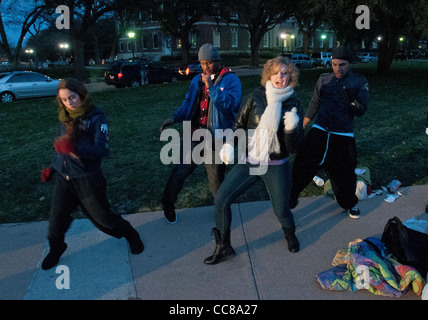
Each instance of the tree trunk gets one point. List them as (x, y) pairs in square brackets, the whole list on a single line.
[(255, 44), (386, 53), (79, 57), (185, 51)]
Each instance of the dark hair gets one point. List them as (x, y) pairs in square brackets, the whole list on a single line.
[(74, 85)]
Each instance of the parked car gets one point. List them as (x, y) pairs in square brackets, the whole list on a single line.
[(368, 57), (189, 71), (322, 59), (26, 84), (402, 55), (301, 61), (127, 73)]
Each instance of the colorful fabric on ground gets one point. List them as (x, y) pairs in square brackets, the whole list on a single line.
[(366, 265)]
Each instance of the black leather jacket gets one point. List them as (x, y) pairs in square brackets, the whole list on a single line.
[(249, 118)]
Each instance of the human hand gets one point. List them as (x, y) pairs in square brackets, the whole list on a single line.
[(207, 79), (426, 131), (47, 174), (291, 119), (227, 153)]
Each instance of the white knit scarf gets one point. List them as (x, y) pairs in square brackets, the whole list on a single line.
[(265, 141)]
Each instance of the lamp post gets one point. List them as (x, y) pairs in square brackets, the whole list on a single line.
[(131, 34), (30, 52), (323, 37), (63, 46), (284, 41)]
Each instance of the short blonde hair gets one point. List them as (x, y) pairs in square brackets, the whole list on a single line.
[(272, 66)]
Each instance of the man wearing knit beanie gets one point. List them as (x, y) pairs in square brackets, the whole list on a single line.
[(212, 102), (330, 144)]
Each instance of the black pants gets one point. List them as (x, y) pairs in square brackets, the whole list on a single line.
[(180, 172), (337, 155), (90, 193)]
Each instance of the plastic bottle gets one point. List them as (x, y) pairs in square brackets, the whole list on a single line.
[(318, 181)]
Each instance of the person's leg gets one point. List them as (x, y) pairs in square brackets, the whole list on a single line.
[(64, 202), (92, 194), (308, 161), (340, 167), (175, 183), (277, 181), (236, 182)]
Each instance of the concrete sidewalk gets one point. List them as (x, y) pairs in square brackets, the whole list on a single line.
[(171, 266)]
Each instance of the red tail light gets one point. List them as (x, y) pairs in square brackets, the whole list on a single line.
[(120, 75), (187, 71)]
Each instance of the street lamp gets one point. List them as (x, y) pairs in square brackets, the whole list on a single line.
[(284, 41), (131, 34), (401, 42), (323, 37), (63, 46), (29, 52)]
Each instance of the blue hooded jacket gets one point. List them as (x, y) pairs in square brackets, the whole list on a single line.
[(225, 101)]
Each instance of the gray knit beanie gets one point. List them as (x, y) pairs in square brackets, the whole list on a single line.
[(208, 52)]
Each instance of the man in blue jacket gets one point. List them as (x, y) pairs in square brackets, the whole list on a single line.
[(212, 103)]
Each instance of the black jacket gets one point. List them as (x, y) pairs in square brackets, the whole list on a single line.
[(336, 101), (92, 145), (249, 118)]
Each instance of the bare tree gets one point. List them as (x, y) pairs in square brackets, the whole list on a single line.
[(256, 16), (11, 11)]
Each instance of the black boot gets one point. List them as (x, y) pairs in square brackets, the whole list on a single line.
[(57, 248), (293, 242), (223, 249), (134, 240)]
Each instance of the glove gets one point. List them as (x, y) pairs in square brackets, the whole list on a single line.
[(47, 174), (64, 145), (426, 131), (227, 153), (291, 119)]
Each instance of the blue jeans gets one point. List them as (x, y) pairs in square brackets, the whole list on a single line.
[(238, 180)]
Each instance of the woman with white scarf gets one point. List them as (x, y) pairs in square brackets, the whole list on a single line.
[(273, 114)]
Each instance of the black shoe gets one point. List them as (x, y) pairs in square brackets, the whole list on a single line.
[(426, 209), (170, 216), (56, 251), (354, 212), (293, 242), (223, 249), (134, 240)]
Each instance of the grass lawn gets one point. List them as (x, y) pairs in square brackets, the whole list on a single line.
[(390, 137)]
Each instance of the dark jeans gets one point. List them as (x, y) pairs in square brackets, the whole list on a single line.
[(238, 180), (337, 155), (90, 193), (180, 172)]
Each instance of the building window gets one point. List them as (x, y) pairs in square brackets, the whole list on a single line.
[(216, 38), (155, 40), (234, 38), (192, 39), (266, 40), (129, 46), (121, 47)]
